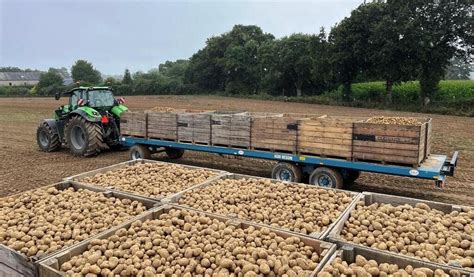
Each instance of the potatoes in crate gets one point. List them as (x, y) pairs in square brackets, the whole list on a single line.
[(186, 243), (151, 179), (363, 267), (300, 208), (45, 220), (417, 231)]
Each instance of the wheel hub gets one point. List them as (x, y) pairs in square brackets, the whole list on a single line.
[(43, 138), (136, 155), (78, 137), (285, 175), (324, 181)]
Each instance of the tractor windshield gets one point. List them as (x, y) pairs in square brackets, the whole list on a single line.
[(101, 98)]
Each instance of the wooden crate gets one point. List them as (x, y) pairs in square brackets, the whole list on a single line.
[(162, 125), (194, 128), (326, 136), (231, 129), (51, 266), (274, 133), (387, 143), (133, 124)]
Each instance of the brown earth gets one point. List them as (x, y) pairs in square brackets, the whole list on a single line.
[(24, 167)]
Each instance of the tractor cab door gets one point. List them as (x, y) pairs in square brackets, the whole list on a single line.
[(76, 96)]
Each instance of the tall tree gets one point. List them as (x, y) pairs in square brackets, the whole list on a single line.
[(441, 30), (84, 71), (127, 77), (228, 59), (49, 81), (350, 42), (392, 56)]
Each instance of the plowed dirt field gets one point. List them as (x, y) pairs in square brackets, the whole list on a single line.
[(24, 167)]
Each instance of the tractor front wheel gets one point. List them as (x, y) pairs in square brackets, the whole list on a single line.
[(83, 138), (48, 141)]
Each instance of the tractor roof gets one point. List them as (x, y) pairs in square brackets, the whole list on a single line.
[(87, 88)]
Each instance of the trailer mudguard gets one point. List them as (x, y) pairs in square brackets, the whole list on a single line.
[(87, 113)]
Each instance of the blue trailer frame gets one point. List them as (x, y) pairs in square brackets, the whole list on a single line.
[(435, 167)]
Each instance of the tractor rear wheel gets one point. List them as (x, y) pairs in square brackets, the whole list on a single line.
[(47, 140), (84, 138)]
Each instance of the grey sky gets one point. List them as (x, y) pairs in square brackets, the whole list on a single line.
[(140, 35)]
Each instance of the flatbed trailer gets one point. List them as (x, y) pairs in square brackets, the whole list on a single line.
[(322, 171)]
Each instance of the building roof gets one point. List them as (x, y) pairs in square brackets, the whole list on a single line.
[(20, 76)]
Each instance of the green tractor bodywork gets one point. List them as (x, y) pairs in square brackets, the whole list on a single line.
[(88, 123)]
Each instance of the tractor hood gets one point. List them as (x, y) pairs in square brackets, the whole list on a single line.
[(118, 110)]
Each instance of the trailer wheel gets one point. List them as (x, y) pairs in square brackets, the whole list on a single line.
[(174, 153), (349, 176), (287, 172), (326, 177), (139, 152)]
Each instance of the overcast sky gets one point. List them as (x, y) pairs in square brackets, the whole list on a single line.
[(139, 35)]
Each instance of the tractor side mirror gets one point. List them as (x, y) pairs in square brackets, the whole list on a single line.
[(57, 95)]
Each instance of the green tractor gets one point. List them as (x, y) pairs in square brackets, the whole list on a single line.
[(89, 123)]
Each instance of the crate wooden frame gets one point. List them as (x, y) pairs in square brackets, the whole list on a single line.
[(50, 267), (391, 143), (28, 266), (79, 177), (369, 198), (327, 136), (348, 253), (134, 124), (231, 129), (319, 235)]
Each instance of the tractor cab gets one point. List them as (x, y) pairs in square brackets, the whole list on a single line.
[(89, 121)]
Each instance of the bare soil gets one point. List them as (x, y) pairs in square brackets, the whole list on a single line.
[(24, 167)]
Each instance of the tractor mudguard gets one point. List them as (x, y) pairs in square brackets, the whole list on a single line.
[(53, 124), (87, 113), (119, 110)]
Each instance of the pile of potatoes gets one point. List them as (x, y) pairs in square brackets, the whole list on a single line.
[(299, 208), (151, 179), (186, 243), (416, 231), (393, 120), (363, 267), (45, 220)]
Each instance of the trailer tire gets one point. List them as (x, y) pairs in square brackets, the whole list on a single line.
[(174, 153), (287, 172), (139, 152), (350, 176), (326, 177)]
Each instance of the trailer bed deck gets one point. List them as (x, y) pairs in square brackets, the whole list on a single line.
[(435, 167)]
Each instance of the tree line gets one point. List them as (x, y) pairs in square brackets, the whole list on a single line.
[(393, 41)]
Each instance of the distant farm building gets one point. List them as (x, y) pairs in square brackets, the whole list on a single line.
[(19, 78), (28, 78)]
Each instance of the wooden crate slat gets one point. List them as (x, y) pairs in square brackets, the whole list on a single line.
[(397, 152), (325, 152), (385, 145), (385, 158)]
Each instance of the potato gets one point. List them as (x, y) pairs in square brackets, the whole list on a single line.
[(151, 179), (417, 231), (47, 219), (224, 249), (293, 207)]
